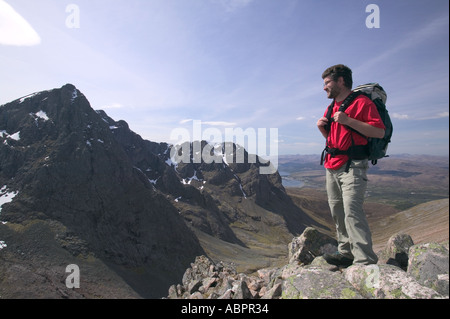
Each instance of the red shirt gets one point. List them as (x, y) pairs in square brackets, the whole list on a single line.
[(362, 109)]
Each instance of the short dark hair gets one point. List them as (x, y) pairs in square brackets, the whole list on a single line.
[(336, 71)]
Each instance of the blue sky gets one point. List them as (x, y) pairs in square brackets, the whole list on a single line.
[(250, 64)]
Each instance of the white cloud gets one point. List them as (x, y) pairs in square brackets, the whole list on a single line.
[(300, 118), (233, 5), (14, 29), (400, 116), (213, 123), (436, 116), (429, 117)]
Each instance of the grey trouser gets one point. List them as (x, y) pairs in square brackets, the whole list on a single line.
[(346, 197)]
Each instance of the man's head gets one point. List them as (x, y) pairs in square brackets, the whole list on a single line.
[(337, 79)]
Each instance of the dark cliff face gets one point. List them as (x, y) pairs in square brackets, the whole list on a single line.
[(126, 200), (64, 162), (210, 195)]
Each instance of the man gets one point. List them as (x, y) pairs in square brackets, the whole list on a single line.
[(346, 184)]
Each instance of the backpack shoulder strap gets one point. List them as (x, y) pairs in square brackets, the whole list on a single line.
[(342, 108), (349, 100), (328, 116)]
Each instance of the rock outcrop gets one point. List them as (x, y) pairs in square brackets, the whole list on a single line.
[(308, 276)]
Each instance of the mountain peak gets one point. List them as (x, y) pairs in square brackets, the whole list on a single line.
[(64, 165), (96, 188)]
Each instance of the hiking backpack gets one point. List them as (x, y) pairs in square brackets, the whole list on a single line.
[(376, 147)]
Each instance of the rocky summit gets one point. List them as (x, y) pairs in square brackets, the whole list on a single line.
[(79, 188), (308, 276)]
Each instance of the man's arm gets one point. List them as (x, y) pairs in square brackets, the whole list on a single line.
[(362, 127), (321, 123)]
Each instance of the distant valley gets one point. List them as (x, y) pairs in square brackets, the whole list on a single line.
[(401, 181), (406, 193)]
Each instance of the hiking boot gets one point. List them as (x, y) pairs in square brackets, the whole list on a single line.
[(338, 259)]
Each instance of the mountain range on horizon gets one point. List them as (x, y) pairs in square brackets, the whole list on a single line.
[(78, 187)]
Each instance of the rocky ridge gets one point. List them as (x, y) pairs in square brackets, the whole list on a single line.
[(404, 271), (77, 187)]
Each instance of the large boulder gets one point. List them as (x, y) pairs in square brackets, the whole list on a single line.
[(429, 265), (396, 251), (387, 282), (310, 244), (313, 282)]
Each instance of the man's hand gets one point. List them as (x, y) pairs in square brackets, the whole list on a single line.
[(321, 123), (341, 118)]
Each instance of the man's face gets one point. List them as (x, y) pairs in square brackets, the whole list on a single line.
[(331, 87)]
